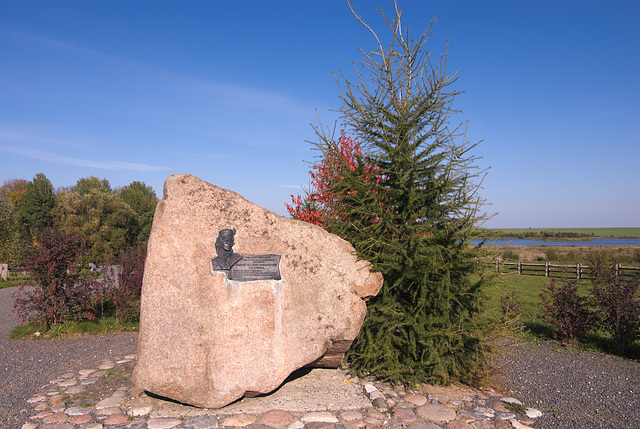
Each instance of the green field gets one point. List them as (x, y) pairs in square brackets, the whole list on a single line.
[(527, 289), (597, 232)]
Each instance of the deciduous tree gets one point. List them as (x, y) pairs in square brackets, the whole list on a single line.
[(12, 247), (143, 200), (87, 184), (106, 224), (13, 191)]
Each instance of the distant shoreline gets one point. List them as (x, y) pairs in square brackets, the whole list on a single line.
[(564, 234), (533, 242)]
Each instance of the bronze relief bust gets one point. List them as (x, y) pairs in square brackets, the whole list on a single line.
[(225, 258)]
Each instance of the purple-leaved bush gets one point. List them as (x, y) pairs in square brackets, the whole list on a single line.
[(618, 307), (59, 291), (565, 310)]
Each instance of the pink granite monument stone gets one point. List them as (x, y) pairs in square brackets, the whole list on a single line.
[(235, 298)]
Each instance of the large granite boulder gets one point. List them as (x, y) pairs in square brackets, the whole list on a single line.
[(208, 340)]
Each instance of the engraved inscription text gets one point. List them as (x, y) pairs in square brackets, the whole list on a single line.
[(256, 267)]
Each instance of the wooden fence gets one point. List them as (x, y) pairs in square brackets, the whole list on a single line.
[(16, 274), (547, 269)]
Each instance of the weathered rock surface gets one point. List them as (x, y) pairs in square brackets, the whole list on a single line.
[(206, 340)]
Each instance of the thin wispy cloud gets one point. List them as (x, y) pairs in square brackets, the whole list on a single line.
[(82, 162), (296, 187), (251, 98), (17, 136), (228, 94), (75, 49)]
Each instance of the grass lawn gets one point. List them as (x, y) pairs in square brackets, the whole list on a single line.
[(100, 326), (528, 290), (10, 283), (14, 280)]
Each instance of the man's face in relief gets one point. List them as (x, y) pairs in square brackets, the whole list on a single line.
[(227, 243)]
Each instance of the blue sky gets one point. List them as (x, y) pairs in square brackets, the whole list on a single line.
[(227, 90)]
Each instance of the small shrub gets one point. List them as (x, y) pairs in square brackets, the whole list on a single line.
[(510, 255), (551, 254), (60, 293), (510, 307), (122, 287), (127, 298), (565, 310), (618, 308), (601, 260), (572, 256)]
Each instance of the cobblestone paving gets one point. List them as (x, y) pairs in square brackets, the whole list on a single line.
[(104, 398)]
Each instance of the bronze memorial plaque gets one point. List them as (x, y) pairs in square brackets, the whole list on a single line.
[(243, 268)]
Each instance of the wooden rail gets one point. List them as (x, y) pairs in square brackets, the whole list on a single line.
[(552, 270), (15, 274)]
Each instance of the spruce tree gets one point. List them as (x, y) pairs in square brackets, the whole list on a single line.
[(37, 203), (413, 217)]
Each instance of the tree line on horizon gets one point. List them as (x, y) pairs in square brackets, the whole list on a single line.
[(106, 221), (536, 234)]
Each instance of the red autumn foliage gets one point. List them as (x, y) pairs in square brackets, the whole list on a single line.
[(123, 285), (618, 305), (60, 292), (325, 200), (565, 310)]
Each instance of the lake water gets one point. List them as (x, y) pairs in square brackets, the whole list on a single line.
[(592, 242)]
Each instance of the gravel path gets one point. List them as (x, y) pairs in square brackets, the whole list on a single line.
[(27, 365), (573, 389)]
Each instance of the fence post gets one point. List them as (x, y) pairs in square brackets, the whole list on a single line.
[(4, 271), (579, 270), (546, 269), (618, 269), (519, 267), (497, 264)]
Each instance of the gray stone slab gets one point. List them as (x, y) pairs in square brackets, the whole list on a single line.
[(319, 389)]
